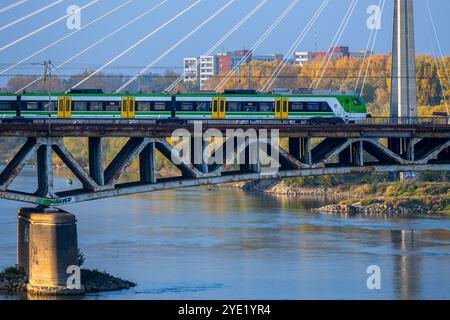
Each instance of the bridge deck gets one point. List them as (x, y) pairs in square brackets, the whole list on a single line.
[(155, 129)]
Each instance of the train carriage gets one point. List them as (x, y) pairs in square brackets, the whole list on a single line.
[(316, 106)]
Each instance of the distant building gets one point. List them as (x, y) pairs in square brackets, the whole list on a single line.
[(302, 57), (268, 57), (361, 53), (207, 69), (190, 69), (227, 61), (200, 69)]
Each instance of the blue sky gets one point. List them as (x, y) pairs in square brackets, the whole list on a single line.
[(279, 41)]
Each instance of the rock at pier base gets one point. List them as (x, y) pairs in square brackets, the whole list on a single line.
[(47, 247)]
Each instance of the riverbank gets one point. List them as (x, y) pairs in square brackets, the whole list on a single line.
[(282, 187), (379, 199)]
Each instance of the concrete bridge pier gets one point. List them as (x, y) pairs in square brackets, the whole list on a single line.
[(47, 249)]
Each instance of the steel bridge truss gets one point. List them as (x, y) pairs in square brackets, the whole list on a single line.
[(303, 154)]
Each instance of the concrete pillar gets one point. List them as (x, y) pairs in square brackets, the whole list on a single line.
[(47, 247), (44, 170), (96, 160), (403, 101), (147, 162), (357, 153), (305, 150)]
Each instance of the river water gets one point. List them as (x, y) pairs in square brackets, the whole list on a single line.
[(211, 243)]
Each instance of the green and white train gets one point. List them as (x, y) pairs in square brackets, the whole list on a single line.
[(299, 105)]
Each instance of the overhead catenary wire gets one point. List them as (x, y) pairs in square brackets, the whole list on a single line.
[(109, 35), (294, 46), (178, 43), (274, 25), (28, 16), (66, 37), (11, 6), (334, 42), (217, 44), (137, 43), (372, 48), (45, 27)]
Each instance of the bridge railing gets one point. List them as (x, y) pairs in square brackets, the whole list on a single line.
[(405, 121), (376, 121)]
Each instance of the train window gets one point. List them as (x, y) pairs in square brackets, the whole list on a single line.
[(266, 106), (296, 106), (326, 107), (143, 106), (203, 106), (313, 106), (160, 106), (80, 106), (187, 106), (50, 106), (96, 106), (32, 105), (222, 106), (249, 107), (285, 106), (357, 102), (5, 105), (110, 106), (234, 106)]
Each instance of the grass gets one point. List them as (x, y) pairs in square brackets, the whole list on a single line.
[(433, 195)]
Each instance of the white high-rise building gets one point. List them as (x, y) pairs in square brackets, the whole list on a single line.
[(190, 69), (207, 69)]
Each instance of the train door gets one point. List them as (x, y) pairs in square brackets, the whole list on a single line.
[(64, 107), (218, 108), (281, 108), (128, 108)]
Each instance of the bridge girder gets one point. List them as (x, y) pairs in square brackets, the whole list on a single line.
[(306, 153)]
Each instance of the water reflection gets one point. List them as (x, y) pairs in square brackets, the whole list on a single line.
[(407, 263), (211, 243)]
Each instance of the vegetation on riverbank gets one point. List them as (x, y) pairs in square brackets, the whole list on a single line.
[(367, 194), (408, 197)]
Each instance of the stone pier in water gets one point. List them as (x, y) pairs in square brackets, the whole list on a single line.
[(47, 250)]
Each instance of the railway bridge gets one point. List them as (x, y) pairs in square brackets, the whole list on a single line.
[(376, 145)]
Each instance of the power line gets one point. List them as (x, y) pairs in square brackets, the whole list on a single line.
[(6, 26), (44, 27), (219, 76), (138, 43), (65, 37), (126, 84), (101, 40)]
